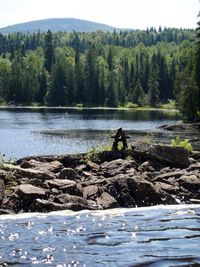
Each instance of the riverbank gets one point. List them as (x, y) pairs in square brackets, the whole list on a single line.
[(145, 175)]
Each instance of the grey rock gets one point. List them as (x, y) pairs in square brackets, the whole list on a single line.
[(69, 173), (106, 201), (29, 190), (66, 198), (58, 183), (173, 156), (190, 182), (164, 176), (29, 173), (90, 191), (91, 166), (53, 166), (42, 205), (140, 150)]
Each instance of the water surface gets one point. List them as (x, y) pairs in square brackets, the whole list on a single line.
[(28, 132), (154, 236)]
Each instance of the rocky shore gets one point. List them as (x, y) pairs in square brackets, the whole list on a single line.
[(145, 175)]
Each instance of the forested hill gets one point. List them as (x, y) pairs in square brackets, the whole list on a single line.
[(56, 25), (100, 68)]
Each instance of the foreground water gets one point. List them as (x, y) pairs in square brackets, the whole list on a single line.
[(28, 132), (155, 236)]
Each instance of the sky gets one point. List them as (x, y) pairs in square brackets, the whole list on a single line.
[(134, 14)]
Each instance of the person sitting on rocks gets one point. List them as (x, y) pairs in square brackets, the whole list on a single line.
[(120, 136)]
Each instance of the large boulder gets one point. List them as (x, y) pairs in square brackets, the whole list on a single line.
[(69, 173), (172, 156), (140, 150), (106, 201), (29, 173), (30, 191), (53, 166)]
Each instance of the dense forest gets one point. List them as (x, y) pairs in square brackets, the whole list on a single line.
[(102, 69)]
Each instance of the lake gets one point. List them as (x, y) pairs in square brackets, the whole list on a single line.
[(25, 132)]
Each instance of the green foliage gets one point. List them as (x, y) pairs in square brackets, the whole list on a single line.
[(131, 105), (101, 69), (3, 160), (171, 104), (93, 153), (181, 143)]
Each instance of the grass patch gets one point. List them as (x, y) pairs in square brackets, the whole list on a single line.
[(182, 143)]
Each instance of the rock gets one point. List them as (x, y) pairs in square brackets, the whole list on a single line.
[(69, 173), (91, 166), (149, 194), (106, 201), (53, 166), (195, 155), (194, 166), (90, 191), (140, 150), (173, 156), (6, 212), (42, 205), (29, 173), (73, 190), (181, 127), (191, 182), (164, 176), (2, 190), (66, 198), (30, 191), (112, 168), (170, 188), (121, 188), (146, 166), (58, 183), (3, 174)]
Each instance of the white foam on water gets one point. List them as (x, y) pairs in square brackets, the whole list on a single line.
[(180, 210)]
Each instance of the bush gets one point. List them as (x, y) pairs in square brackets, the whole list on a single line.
[(182, 143)]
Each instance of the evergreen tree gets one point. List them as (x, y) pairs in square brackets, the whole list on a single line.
[(138, 93), (153, 83), (48, 50), (43, 86), (57, 86), (111, 100), (5, 76), (91, 76)]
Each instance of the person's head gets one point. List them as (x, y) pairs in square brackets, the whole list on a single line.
[(119, 130)]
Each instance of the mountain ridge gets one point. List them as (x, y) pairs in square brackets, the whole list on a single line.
[(55, 25)]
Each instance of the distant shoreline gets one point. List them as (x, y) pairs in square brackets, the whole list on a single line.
[(84, 108)]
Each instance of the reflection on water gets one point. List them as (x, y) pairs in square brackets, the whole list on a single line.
[(155, 236), (24, 132)]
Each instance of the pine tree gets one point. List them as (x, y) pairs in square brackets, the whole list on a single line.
[(138, 93), (153, 83), (48, 50)]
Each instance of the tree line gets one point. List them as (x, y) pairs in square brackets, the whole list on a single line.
[(102, 69)]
